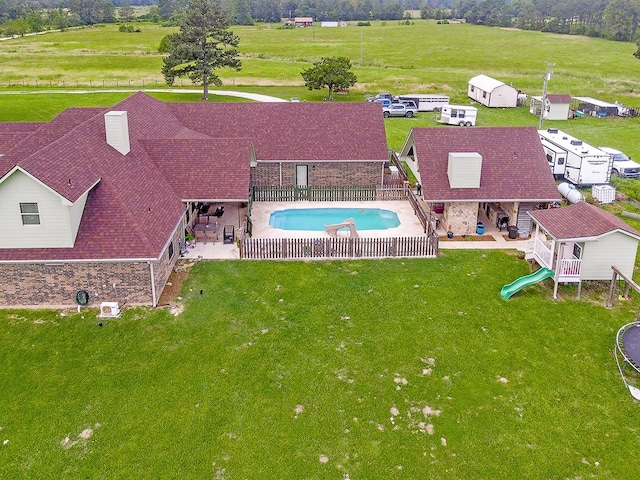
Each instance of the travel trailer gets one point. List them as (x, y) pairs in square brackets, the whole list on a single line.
[(575, 160)]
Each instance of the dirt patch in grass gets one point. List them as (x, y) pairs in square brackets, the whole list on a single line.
[(468, 238), (179, 274)]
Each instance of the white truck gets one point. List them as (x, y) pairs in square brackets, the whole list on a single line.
[(574, 160), (460, 115), (425, 102)]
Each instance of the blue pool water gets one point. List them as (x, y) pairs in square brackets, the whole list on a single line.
[(315, 219)]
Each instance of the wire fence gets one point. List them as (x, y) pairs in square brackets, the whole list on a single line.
[(158, 82)]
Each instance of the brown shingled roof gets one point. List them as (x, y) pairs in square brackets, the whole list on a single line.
[(199, 151), (293, 131), (558, 98), (194, 170), (580, 220), (514, 166)]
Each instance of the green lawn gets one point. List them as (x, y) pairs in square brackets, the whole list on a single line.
[(385, 369), (326, 369)]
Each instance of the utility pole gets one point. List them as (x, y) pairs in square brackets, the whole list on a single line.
[(547, 77)]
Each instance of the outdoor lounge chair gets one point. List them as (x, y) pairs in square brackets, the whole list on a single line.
[(219, 211)]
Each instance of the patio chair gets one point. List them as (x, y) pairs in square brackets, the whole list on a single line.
[(219, 211), (228, 234)]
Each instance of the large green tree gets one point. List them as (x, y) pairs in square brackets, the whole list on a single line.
[(332, 72), (203, 44)]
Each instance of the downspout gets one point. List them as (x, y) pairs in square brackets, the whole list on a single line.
[(154, 300)]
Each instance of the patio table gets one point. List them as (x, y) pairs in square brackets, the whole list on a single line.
[(206, 230)]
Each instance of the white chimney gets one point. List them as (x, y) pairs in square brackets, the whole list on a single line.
[(117, 128), (464, 169)]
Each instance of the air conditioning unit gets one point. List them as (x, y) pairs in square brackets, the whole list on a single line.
[(109, 310)]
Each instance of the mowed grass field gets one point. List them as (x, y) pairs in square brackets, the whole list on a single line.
[(328, 370), (422, 57), (325, 370)]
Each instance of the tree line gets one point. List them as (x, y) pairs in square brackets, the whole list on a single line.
[(612, 19)]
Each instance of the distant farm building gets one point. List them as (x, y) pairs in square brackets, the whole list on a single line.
[(303, 22)]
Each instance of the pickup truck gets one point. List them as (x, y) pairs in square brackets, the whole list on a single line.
[(623, 166), (399, 110)]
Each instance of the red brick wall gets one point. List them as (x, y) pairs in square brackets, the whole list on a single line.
[(162, 269), (324, 174), (56, 285)]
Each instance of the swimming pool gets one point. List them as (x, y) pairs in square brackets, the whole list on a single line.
[(315, 219)]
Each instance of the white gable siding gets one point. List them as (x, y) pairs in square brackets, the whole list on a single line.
[(614, 249), (75, 215), (464, 169), (55, 229)]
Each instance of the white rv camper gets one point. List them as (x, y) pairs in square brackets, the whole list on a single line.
[(460, 115), (574, 160), (425, 102)]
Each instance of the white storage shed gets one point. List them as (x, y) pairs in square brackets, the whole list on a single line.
[(491, 92), (556, 106)]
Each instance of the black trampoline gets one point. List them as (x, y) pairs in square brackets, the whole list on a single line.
[(627, 351)]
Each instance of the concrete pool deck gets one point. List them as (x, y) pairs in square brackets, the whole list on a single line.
[(409, 227), (261, 211)]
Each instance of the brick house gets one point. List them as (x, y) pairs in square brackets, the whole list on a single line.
[(492, 174), (98, 200)]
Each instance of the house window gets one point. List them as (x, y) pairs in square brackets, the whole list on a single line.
[(30, 214), (170, 250), (577, 251)]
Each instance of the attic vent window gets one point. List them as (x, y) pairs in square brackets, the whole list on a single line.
[(30, 214)]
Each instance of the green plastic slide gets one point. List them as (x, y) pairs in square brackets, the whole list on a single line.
[(525, 281)]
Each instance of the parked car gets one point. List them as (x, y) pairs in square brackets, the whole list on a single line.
[(623, 166), (380, 96), (408, 103), (399, 110), (385, 102)]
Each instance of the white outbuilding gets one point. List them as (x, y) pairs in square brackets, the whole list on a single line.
[(556, 106), (491, 92)]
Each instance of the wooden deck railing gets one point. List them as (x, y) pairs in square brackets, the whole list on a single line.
[(395, 160), (328, 194), (292, 248), (419, 211)]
